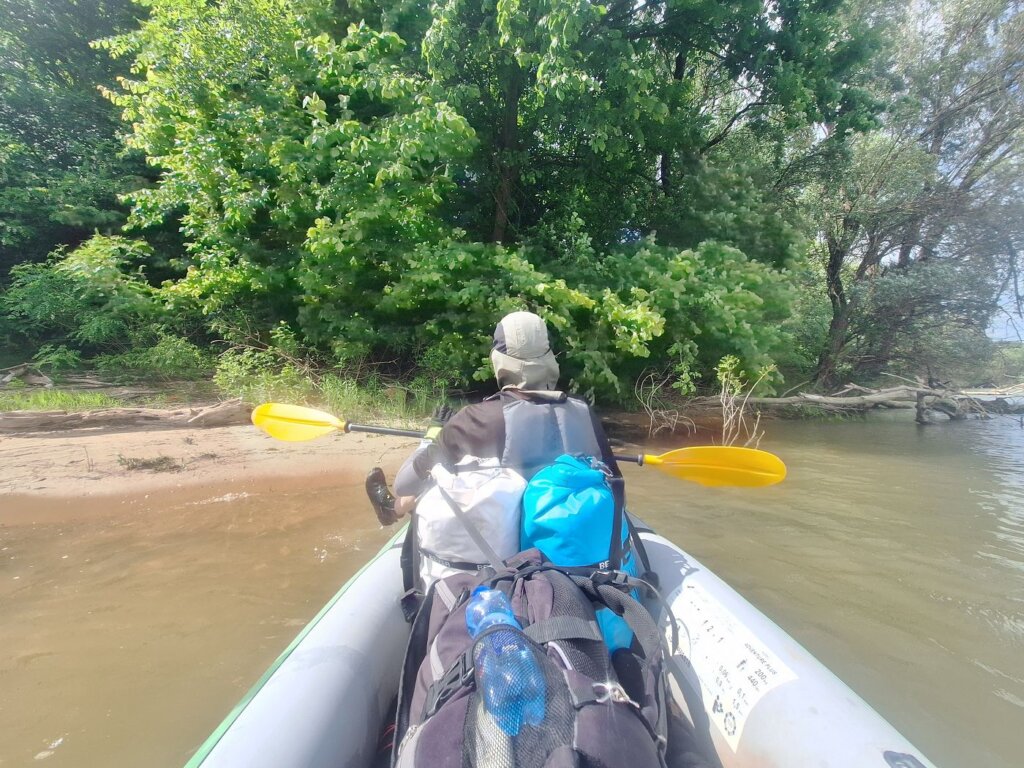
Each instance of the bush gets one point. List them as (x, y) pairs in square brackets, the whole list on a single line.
[(607, 318), (259, 376), (269, 375), (93, 299), (56, 358), (171, 358)]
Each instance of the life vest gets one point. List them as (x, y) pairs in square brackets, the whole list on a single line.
[(478, 502), (539, 430)]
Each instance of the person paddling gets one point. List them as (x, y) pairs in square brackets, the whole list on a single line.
[(526, 426)]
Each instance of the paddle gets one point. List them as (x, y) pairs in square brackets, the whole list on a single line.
[(712, 465)]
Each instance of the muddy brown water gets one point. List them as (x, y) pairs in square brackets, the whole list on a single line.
[(894, 554)]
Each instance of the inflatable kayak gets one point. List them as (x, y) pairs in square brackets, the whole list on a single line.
[(769, 703)]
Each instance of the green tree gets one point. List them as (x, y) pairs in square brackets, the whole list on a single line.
[(305, 164), (619, 115), (939, 183), (60, 164), (389, 196)]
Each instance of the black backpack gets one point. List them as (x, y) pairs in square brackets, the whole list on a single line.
[(599, 711)]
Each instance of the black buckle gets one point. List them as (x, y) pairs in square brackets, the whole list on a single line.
[(411, 602), (458, 675), (617, 579)]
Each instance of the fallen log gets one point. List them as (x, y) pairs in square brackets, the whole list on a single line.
[(28, 374), (853, 398), (225, 414)]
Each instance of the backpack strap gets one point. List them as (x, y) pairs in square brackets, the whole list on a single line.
[(412, 597), (457, 676), (610, 589), (414, 653), (685, 675), (623, 604), (461, 565), (493, 559), (460, 673), (563, 628), (618, 487), (637, 544), (624, 582)]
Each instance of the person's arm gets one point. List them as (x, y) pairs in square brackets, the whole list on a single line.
[(476, 430), (414, 476)]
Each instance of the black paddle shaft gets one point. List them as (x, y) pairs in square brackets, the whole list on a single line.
[(639, 459), (382, 430)]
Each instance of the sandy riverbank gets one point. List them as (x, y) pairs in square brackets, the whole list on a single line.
[(76, 472)]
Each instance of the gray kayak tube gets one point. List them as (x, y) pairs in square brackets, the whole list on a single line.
[(769, 702)]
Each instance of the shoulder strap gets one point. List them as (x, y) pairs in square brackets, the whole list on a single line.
[(623, 604), (474, 533), (617, 484), (685, 675), (618, 487), (409, 560), (414, 653)]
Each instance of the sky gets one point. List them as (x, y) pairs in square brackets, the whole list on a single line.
[(1007, 325)]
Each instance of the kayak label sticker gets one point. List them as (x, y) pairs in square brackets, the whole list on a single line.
[(735, 669)]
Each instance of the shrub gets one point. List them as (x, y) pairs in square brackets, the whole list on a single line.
[(172, 358), (93, 299), (55, 400), (261, 375)]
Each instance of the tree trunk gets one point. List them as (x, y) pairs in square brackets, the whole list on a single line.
[(227, 413), (507, 165), (665, 171), (825, 373)]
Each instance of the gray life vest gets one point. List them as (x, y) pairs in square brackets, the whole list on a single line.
[(539, 430)]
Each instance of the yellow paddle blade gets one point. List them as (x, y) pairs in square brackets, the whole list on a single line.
[(294, 423), (716, 465)]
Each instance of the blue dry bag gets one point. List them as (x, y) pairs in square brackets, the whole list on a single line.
[(569, 515)]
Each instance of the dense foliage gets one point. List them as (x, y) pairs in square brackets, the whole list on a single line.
[(61, 169), (370, 185)]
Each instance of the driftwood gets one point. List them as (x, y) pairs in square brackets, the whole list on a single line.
[(228, 413), (86, 381), (856, 399), (1016, 390), (28, 374)]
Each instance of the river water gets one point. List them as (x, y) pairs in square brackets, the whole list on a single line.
[(894, 553)]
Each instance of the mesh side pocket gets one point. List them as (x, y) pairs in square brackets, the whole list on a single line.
[(521, 711)]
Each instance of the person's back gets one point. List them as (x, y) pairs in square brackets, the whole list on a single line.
[(524, 427)]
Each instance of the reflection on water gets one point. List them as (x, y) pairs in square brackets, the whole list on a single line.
[(1004, 500), (895, 554)]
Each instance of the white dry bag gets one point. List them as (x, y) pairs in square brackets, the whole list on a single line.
[(489, 497)]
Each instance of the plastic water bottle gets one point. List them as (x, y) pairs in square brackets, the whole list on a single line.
[(507, 672)]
